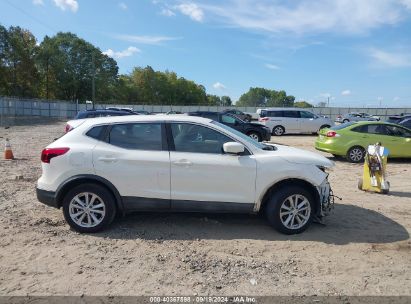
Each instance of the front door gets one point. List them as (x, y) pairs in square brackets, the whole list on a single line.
[(203, 178)]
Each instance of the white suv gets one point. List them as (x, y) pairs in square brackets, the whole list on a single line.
[(292, 120), (113, 165)]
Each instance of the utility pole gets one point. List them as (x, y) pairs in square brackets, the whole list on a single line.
[(328, 101), (93, 80)]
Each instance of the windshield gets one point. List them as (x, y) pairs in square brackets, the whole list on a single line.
[(249, 140)]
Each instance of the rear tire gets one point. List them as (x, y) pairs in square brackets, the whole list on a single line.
[(345, 120), (290, 210), (89, 208), (278, 130), (254, 135), (356, 154)]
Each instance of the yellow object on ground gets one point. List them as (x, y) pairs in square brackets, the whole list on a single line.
[(375, 164)]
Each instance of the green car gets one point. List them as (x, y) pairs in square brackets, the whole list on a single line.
[(352, 139)]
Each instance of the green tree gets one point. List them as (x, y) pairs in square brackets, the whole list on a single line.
[(18, 71), (226, 101), (67, 64), (303, 104), (261, 97)]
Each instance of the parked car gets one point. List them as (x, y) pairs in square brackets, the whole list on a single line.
[(399, 119), (352, 139), (93, 114), (354, 116), (256, 131), (142, 112), (243, 116), (292, 120), (114, 165)]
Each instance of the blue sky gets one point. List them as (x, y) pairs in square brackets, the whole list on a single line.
[(356, 52)]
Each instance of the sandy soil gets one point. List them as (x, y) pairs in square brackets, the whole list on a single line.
[(364, 248)]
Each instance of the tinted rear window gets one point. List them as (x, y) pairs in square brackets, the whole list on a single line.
[(137, 136), (95, 132)]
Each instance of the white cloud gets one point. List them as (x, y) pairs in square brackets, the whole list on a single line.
[(192, 10), (390, 59), (153, 40), (167, 12), (346, 93), (67, 4), (271, 66), (307, 16), (123, 6), (38, 2), (131, 50), (218, 86)]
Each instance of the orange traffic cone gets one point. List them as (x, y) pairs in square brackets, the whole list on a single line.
[(8, 154)]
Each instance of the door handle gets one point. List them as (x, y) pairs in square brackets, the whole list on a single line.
[(183, 163), (107, 159)]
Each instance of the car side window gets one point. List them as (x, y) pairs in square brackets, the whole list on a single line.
[(275, 114), (306, 114), (398, 131), (360, 129), (378, 129), (197, 139), (227, 119), (136, 136), (292, 114), (96, 132), (212, 116)]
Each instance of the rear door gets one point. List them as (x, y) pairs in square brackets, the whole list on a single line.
[(134, 157)]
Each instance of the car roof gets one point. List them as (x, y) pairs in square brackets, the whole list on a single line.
[(285, 109), (145, 118)]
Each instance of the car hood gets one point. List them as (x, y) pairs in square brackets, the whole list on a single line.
[(299, 156)]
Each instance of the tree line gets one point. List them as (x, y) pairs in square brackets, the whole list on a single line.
[(66, 67)]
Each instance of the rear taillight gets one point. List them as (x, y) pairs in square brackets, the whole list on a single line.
[(339, 116), (332, 134), (68, 128), (49, 153), (262, 119)]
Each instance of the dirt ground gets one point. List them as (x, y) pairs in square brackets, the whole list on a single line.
[(364, 248)]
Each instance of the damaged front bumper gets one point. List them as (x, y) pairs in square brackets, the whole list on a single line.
[(326, 199)]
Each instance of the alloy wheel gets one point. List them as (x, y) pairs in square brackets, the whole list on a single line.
[(356, 154), (87, 209), (295, 211)]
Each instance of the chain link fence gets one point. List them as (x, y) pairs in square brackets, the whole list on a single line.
[(13, 108)]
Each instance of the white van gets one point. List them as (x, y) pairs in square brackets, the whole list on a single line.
[(292, 120)]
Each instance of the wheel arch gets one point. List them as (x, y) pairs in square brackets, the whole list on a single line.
[(88, 178), (290, 182)]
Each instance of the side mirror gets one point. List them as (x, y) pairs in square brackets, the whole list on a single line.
[(236, 123), (233, 148)]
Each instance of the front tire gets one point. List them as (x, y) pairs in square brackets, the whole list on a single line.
[(290, 210), (254, 135), (356, 154), (345, 120), (89, 208)]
